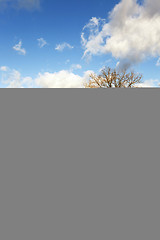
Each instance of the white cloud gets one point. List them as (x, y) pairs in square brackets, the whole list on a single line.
[(67, 61), (20, 4), (87, 75), (61, 79), (75, 67), (158, 62), (131, 35), (41, 42), (3, 68), (19, 49), (61, 47), (13, 79), (28, 4), (152, 83)]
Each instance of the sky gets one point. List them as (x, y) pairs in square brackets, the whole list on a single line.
[(58, 44)]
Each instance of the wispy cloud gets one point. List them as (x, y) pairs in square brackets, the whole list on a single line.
[(41, 42), (28, 4), (158, 63), (61, 47), (19, 49), (3, 68), (75, 67), (67, 61), (20, 4)]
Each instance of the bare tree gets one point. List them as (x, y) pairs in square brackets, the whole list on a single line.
[(114, 79)]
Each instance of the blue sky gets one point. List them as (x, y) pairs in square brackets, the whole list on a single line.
[(46, 43)]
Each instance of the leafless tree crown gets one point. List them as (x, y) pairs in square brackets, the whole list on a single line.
[(114, 79)]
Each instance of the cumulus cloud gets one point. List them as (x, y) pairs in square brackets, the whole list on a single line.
[(62, 79), (41, 42), (131, 34), (12, 78), (19, 49), (152, 83), (20, 4), (61, 47)]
